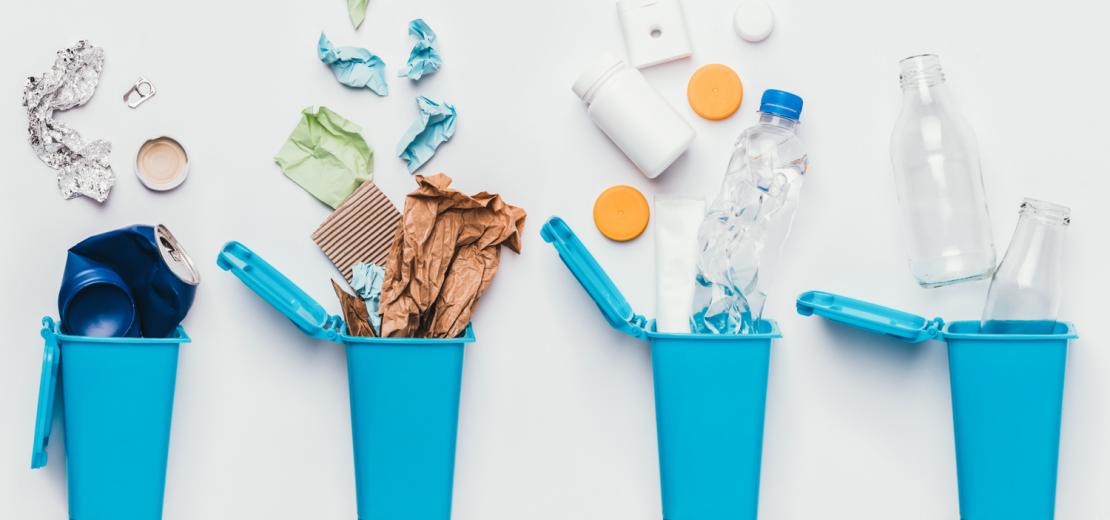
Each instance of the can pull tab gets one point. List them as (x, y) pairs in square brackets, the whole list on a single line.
[(175, 257), (139, 93)]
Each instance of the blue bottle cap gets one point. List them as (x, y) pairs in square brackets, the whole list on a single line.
[(781, 103)]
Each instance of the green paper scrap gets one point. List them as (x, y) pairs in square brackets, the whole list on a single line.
[(327, 156), (357, 10)]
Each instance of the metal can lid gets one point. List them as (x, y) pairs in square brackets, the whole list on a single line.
[(179, 262), (162, 163)]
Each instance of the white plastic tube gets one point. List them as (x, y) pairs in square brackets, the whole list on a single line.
[(676, 261)]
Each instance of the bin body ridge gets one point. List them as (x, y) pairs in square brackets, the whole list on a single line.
[(118, 403), (710, 401), (1007, 398), (404, 419)]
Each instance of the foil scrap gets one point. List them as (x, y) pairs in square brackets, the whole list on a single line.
[(83, 167)]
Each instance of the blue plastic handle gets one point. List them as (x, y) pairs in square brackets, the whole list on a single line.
[(279, 291), (870, 316), (48, 384), (593, 278)]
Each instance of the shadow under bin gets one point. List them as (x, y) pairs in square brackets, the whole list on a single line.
[(404, 399), (116, 399), (1007, 396), (710, 398)]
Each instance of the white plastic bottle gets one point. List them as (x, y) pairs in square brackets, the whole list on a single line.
[(634, 116)]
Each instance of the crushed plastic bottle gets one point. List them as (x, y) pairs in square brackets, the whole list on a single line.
[(744, 229)]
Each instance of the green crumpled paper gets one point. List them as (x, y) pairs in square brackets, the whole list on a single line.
[(327, 156), (357, 10)]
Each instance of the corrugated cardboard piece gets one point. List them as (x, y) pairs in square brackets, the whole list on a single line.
[(360, 230)]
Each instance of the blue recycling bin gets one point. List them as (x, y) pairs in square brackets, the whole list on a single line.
[(1007, 396), (116, 399), (710, 398), (404, 399)]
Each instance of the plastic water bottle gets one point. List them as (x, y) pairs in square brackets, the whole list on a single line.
[(1027, 288), (745, 227), (939, 181)]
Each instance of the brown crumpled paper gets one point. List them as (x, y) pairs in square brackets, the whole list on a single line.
[(355, 313), (444, 257)]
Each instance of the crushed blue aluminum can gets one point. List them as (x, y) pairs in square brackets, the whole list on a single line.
[(136, 281)]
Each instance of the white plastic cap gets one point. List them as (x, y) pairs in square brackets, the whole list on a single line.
[(754, 20), (594, 75)]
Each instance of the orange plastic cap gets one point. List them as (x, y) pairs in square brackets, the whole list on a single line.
[(715, 92), (621, 213)]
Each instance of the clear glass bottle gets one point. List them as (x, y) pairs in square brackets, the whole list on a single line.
[(939, 181), (1027, 288)]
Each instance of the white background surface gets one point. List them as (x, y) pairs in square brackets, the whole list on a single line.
[(557, 420)]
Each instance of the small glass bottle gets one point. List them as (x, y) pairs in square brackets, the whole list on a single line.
[(939, 181), (1027, 288)]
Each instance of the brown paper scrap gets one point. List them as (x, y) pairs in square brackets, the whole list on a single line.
[(354, 312), (444, 256)]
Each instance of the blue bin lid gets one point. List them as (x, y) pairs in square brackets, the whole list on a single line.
[(306, 313), (593, 278), (48, 385), (869, 316)]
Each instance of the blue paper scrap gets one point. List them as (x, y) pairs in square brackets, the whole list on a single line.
[(354, 66), (366, 280), (424, 58), (434, 127)]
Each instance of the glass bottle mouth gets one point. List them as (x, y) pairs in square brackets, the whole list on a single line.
[(1049, 212), (922, 70)]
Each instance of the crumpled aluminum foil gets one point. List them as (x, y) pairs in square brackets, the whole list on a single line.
[(83, 167)]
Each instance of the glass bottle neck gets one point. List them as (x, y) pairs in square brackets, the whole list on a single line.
[(921, 72), (1045, 213), (766, 118), (1038, 238)]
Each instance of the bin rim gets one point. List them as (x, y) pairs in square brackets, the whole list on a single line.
[(52, 328), (1068, 333), (466, 337), (773, 333)]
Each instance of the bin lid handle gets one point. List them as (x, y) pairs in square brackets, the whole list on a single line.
[(869, 316), (48, 385), (593, 278), (306, 313)]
